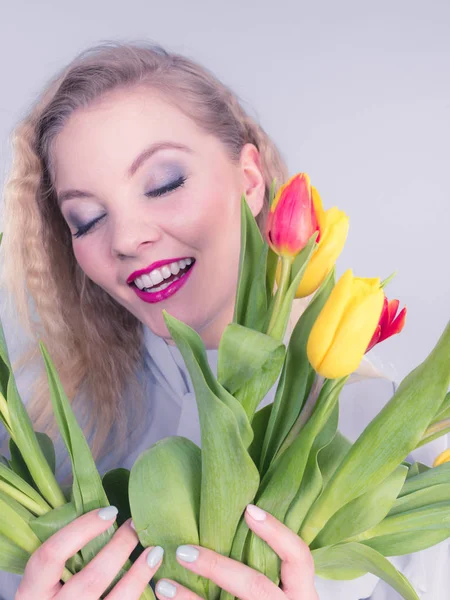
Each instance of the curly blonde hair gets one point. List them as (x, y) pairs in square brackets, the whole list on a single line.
[(95, 343)]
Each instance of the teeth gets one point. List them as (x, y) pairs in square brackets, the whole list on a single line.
[(156, 277), (149, 280)]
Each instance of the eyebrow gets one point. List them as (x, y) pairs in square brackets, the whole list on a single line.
[(137, 163)]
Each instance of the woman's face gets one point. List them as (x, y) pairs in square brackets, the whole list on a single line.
[(129, 212)]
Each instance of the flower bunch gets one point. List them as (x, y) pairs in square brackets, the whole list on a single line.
[(354, 504)]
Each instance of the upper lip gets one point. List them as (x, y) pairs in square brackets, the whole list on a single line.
[(155, 265)]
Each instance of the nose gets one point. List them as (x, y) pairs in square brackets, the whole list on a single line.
[(131, 233)]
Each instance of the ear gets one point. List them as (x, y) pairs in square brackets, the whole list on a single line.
[(252, 178)]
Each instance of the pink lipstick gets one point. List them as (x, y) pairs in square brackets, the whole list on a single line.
[(170, 290)]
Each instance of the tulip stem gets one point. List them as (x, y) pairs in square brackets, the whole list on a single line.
[(286, 264)]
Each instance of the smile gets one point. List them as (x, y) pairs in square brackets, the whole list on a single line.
[(163, 282)]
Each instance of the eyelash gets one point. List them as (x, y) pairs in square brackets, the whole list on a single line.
[(153, 194)]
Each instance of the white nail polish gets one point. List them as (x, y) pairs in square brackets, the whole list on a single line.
[(132, 525), (256, 513), (109, 513), (154, 556), (166, 589)]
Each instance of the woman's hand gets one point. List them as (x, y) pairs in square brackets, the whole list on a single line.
[(297, 566), (43, 571)]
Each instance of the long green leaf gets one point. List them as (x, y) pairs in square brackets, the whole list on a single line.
[(164, 491), (332, 455), (283, 479), (249, 363), (10, 477), (312, 482), (334, 562), (224, 449), (250, 305), (428, 478), (25, 437), (13, 559), (388, 438), (362, 512), (87, 489)]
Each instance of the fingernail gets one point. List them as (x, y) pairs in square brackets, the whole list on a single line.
[(166, 589), (256, 513), (154, 556), (187, 553), (132, 525), (109, 513)]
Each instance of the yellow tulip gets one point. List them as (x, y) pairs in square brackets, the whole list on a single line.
[(333, 228), (346, 324), (442, 458)]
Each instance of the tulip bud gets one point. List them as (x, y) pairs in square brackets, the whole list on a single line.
[(333, 229), (292, 220), (345, 326)]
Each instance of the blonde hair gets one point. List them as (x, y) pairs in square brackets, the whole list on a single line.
[(95, 343)]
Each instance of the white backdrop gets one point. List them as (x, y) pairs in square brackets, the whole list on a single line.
[(357, 94)]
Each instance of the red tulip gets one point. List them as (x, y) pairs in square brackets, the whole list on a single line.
[(292, 218), (389, 324)]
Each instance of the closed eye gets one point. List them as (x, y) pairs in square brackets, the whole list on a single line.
[(170, 187)]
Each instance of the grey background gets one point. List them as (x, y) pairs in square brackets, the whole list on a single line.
[(357, 94)]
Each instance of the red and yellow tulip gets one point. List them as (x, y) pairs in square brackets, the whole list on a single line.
[(292, 220), (332, 225), (356, 316)]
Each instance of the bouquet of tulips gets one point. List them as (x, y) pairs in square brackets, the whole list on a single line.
[(353, 504)]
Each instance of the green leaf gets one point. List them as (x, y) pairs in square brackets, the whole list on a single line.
[(23, 434), (335, 562), (390, 534), (249, 363), (115, 484), (362, 512), (13, 559), (428, 478), (388, 438), (332, 455), (88, 492), (296, 378), (14, 520), (283, 479), (19, 465), (164, 489), (11, 478), (226, 434), (250, 305), (259, 426), (421, 498), (311, 485)]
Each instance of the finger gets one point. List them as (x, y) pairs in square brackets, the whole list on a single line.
[(167, 588), (132, 585), (99, 573), (43, 571), (231, 575), (297, 564)]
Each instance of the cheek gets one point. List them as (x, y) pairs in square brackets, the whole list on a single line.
[(85, 258)]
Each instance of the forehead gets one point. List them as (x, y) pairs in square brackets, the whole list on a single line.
[(113, 130)]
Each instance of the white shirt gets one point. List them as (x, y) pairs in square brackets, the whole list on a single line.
[(173, 411)]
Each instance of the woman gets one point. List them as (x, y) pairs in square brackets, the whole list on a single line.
[(128, 176)]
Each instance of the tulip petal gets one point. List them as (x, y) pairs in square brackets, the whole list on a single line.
[(326, 324), (353, 334), (333, 237)]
